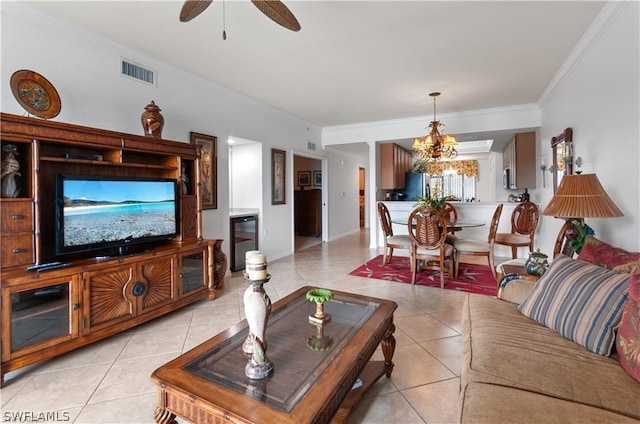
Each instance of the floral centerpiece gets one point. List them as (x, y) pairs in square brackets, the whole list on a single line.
[(436, 200)]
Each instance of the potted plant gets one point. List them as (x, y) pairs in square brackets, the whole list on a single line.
[(435, 201)]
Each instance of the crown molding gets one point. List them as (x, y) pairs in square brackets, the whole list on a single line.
[(603, 21)]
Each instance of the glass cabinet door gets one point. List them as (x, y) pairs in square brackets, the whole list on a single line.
[(192, 271), (41, 314)]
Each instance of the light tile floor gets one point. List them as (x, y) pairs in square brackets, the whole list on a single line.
[(108, 382)]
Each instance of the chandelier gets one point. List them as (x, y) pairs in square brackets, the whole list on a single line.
[(435, 146)]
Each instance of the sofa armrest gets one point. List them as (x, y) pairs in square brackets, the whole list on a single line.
[(514, 289)]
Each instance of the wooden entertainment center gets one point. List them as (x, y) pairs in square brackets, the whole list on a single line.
[(47, 313)]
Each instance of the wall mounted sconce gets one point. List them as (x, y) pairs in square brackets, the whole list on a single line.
[(577, 163), (543, 168)]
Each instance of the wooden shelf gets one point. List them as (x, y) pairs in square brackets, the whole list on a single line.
[(107, 163)]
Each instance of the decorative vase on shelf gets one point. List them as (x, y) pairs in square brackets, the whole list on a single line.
[(152, 120)]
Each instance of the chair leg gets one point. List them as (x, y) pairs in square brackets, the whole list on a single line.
[(514, 252), (413, 261), (492, 266), (457, 265), (441, 272), (390, 254)]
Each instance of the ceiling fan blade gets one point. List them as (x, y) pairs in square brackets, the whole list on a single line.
[(278, 13), (192, 8)]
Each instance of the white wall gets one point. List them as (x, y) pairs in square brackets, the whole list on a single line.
[(84, 69), (599, 99), (246, 175)]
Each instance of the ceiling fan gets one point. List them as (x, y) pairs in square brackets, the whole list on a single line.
[(273, 9)]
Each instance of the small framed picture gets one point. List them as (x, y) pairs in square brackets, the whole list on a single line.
[(317, 178), (304, 178), (208, 169), (278, 182)]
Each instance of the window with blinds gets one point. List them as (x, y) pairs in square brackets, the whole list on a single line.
[(458, 186)]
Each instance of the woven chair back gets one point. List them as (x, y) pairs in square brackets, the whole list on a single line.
[(427, 228), (524, 218)]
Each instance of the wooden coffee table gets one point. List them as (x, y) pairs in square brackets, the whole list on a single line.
[(308, 384)]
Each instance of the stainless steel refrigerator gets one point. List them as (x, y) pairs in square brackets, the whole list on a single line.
[(416, 185)]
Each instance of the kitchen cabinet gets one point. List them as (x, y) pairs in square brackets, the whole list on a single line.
[(395, 161), (519, 161)]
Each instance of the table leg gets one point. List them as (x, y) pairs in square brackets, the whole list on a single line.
[(162, 416), (388, 348)]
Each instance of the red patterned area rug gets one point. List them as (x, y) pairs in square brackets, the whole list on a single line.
[(471, 278)]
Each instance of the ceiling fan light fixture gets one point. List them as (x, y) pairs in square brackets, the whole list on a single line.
[(272, 9)]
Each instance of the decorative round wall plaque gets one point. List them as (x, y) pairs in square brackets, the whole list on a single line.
[(35, 94)]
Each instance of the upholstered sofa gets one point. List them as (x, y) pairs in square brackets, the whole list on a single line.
[(518, 369)]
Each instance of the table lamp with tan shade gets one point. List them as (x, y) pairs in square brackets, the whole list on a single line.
[(580, 196)]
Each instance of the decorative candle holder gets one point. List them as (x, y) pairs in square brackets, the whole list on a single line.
[(257, 308), (319, 342), (319, 296)]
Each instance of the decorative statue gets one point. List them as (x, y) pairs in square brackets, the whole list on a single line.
[(10, 171)]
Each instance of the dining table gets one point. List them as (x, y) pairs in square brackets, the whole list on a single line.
[(458, 225)]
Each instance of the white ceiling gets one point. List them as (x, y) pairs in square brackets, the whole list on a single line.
[(355, 61)]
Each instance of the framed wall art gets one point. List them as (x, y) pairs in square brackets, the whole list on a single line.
[(278, 174), (304, 178), (208, 169), (317, 178)]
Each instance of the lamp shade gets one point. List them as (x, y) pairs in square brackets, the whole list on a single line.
[(581, 196)]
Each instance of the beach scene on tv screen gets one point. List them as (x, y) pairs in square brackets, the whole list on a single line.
[(99, 211)]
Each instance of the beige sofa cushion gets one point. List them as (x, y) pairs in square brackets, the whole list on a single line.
[(501, 346), (491, 404)]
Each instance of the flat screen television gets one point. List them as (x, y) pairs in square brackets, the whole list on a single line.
[(102, 214)]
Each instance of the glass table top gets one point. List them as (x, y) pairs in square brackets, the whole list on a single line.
[(300, 351)]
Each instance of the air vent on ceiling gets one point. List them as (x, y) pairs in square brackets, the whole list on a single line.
[(137, 72), (311, 146)]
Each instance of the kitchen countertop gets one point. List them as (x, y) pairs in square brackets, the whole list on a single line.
[(236, 212)]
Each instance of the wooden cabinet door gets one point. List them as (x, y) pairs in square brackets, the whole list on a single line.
[(107, 297), (192, 267), (157, 276), (395, 162), (525, 160), (189, 217), (39, 315)]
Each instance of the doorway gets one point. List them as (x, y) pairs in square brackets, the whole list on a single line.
[(307, 202), (361, 198)]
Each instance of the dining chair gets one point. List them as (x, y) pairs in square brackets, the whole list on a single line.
[(451, 215), (524, 221), (428, 231), (478, 247), (391, 241), (565, 235)]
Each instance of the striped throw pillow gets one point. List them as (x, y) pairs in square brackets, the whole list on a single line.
[(580, 301)]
